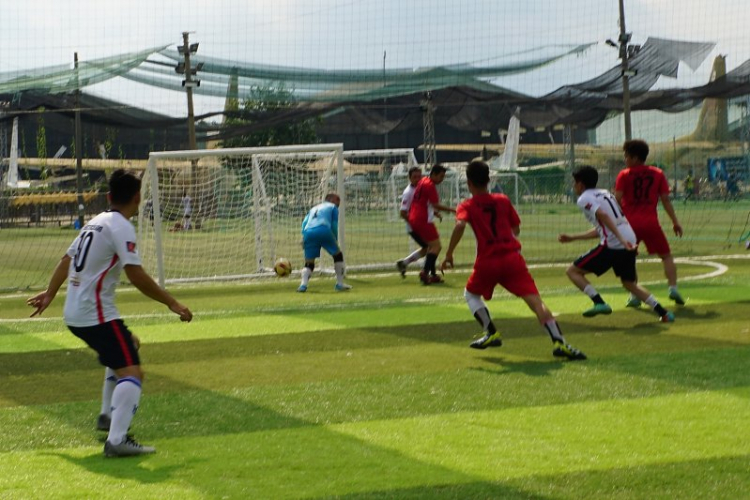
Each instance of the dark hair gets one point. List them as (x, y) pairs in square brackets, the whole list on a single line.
[(123, 186), (414, 169), (637, 148), (586, 175), (330, 197), (478, 172), (438, 169)]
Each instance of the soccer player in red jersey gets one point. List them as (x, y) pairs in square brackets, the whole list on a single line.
[(496, 226), (638, 190), (421, 213)]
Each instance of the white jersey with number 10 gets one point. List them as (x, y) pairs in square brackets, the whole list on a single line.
[(103, 247)]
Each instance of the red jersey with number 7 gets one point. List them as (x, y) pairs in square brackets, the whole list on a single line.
[(492, 217), (641, 188)]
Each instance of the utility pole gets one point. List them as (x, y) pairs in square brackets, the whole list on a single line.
[(79, 147), (626, 73), (428, 121), (185, 50)]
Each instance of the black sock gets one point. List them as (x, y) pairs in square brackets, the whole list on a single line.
[(483, 317), (429, 263), (597, 299), (660, 310)]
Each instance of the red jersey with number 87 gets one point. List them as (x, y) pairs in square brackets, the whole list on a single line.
[(492, 217), (641, 188)]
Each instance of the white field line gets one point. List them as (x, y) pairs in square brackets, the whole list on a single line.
[(719, 269)]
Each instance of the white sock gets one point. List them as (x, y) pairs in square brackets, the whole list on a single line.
[(339, 268), (651, 301), (306, 273), (590, 291), (125, 400), (413, 257), (110, 381)]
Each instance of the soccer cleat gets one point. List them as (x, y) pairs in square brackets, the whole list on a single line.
[(342, 287), (302, 288), (633, 302), (563, 350), (494, 340), (675, 295), (667, 318), (424, 277), (401, 266), (436, 279), (128, 448), (597, 309), (103, 422)]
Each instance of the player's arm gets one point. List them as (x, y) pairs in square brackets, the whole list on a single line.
[(618, 196), (148, 287), (404, 215), (567, 238), (42, 300), (607, 222), (669, 208), (443, 208), (456, 235)]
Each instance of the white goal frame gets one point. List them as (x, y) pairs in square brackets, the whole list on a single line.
[(194, 155)]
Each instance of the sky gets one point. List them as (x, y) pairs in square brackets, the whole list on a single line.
[(364, 34)]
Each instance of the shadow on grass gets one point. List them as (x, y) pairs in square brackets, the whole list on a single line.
[(126, 468), (530, 368)]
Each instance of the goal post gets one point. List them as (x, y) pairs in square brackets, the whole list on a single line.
[(222, 214)]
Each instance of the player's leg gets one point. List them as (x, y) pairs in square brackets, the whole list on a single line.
[(412, 257), (561, 348), (311, 244), (105, 415), (596, 261), (644, 295), (306, 274), (670, 271), (478, 308), (338, 266), (624, 267)]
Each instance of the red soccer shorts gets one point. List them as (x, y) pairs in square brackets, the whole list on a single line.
[(653, 236), (425, 230), (507, 270)]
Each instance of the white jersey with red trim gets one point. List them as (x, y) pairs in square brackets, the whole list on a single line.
[(103, 247), (592, 200), (406, 199)]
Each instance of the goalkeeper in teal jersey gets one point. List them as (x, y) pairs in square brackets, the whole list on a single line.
[(320, 229)]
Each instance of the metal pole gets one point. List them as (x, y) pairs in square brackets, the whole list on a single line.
[(624, 39), (385, 108), (79, 147), (189, 88)]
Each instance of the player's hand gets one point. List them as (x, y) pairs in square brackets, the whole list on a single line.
[(182, 311), (40, 302), (677, 230), (136, 341), (439, 216), (564, 238), (447, 263), (629, 246)]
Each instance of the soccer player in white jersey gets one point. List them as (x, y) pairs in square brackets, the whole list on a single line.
[(320, 229), (616, 249), (104, 247), (415, 175)]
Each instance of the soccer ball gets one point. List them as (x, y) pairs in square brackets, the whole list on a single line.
[(282, 268)]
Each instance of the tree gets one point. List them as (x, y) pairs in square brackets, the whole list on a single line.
[(263, 103)]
